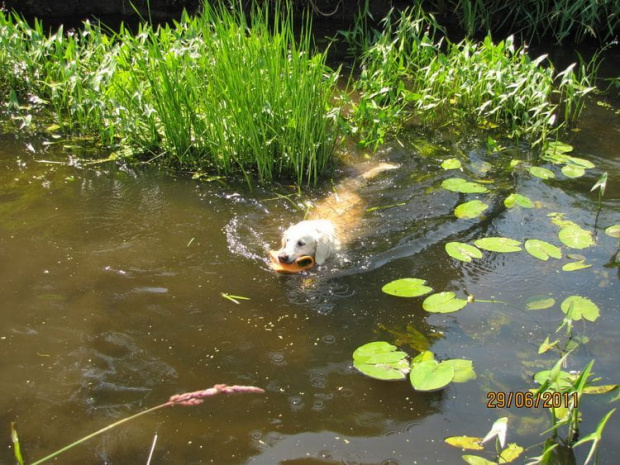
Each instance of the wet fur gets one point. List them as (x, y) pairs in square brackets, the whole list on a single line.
[(330, 223)]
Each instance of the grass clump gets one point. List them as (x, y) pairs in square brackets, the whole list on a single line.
[(413, 74), (212, 92)]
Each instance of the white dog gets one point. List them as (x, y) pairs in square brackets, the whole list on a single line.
[(316, 238)]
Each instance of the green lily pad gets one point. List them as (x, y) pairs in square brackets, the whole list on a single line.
[(462, 251), (381, 360), (580, 307), (463, 369), (463, 186), (542, 250), (430, 376), (573, 171), (518, 199), (469, 210), (443, 302), (562, 381), (476, 460), (613, 231), (451, 164), (542, 173), (558, 147), (576, 237), (499, 244), (465, 442), (576, 266), (539, 302), (407, 287)]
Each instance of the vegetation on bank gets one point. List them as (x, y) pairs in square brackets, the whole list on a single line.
[(223, 94)]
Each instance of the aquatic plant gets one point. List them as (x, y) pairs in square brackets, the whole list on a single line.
[(186, 399), (412, 75), (213, 92), (561, 20)]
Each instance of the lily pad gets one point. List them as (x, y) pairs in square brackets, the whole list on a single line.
[(542, 173), (430, 376), (381, 360), (542, 250), (476, 460), (462, 251), (407, 287), (539, 302), (465, 442), (576, 237), (443, 302), (580, 307), (518, 199), (613, 231), (576, 266), (451, 164), (573, 171), (499, 244), (556, 146), (463, 369), (469, 210), (463, 186), (510, 453)]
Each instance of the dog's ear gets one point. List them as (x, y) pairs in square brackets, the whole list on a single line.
[(323, 249)]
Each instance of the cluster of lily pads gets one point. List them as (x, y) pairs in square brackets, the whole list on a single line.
[(382, 360)]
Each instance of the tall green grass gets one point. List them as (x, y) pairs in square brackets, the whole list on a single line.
[(412, 74), (533, 20), (211, 92)]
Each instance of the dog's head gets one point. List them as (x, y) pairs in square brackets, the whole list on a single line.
[(315, 238)]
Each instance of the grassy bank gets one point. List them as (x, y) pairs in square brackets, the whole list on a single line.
[(223, 94)]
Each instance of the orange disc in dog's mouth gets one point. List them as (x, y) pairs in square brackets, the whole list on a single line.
[(301, 264)]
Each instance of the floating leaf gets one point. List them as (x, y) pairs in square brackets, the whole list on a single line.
[(498, 244), (575, 266), (560, 380), (381, 360), (469, 210), (451, 164), (539, 302), (542, 250), (580, 307), (463, 186), (576, 237), (542, 173), (462, 251), (463, 369), (465, 442), (424, 356), (613, 231), (510, 453), (443, 302), (518, 199), (430, 375), (407, 287), (476, 460), (558, 147), (573, 171)]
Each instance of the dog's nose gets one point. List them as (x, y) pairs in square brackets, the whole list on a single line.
[(283, 258)]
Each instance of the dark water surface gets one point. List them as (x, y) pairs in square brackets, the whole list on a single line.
[(112, 278)]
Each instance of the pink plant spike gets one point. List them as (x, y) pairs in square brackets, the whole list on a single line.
[(197, 397)]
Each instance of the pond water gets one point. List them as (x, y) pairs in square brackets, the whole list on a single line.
[(112, 279)]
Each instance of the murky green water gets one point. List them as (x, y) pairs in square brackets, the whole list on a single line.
[(112, 278)]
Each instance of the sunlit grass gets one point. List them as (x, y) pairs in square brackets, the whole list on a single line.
[(410, 74), (210, 92)]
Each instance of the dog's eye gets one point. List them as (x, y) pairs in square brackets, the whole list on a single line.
[(300, 243)]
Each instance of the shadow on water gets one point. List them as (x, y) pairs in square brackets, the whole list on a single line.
[(112, 282)]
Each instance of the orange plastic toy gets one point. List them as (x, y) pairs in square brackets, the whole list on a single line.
[(301, 264)]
